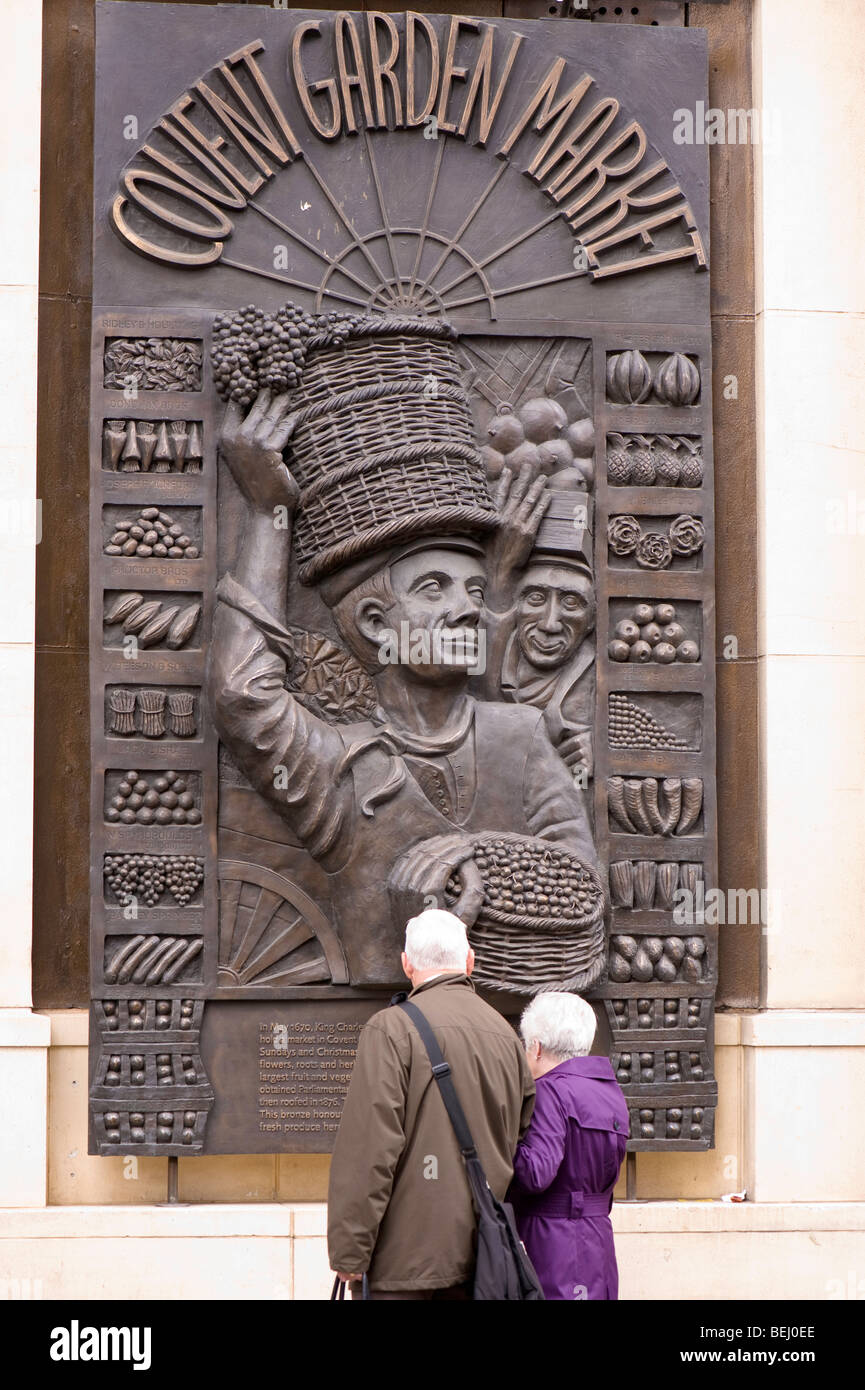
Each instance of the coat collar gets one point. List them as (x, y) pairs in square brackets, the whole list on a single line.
[(451, 978), (597, 1068)]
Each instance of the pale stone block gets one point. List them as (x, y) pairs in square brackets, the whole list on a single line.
[(813, 410), (131, 1269), (805, 1123), (154, 1222), (18, 480), (803, 1028), (228, 1178), (309, 1219), (814, 744), (303, 1177), (68, 1027), (666, 1250), (20, 82), (20, 518), (16, 826), (21, 1028), (22, 1073), (809, 59), (23, 1103), (74, 1176), (740, 1268), (725, 1218), (313, 1276), (728, 1030), (18, 329)]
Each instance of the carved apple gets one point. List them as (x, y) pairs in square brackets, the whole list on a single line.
[(525, 454), (505, 432), (554, 455), (581, 437), (542, 419), (494, 461)]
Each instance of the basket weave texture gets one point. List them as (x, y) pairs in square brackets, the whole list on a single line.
[(383, 450), (525, 953), (518, 960)]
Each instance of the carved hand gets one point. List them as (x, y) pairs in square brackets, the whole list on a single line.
[(576, 751), (521, 505), (423, 871), (252, 448)]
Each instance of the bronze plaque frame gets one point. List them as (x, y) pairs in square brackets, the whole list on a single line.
[(165, 1065)]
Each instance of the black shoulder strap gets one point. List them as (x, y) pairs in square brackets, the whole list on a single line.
[(442, 1073)]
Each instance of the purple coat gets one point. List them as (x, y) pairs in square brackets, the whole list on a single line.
[(565, 1170)]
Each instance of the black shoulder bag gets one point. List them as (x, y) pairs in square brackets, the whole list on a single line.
[(503, 1270)]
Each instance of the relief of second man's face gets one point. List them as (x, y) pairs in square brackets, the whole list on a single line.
[(556, 611)]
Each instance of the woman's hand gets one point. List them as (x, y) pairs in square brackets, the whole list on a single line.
[(252, 447)]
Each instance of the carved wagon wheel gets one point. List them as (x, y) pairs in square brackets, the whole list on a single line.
[(271, 932)]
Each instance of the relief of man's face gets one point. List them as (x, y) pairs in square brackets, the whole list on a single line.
[(556, 610), (436, 614)]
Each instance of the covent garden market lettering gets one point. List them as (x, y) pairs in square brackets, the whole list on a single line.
[(610, 189)]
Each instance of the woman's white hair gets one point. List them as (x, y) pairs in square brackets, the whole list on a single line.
[(436, 940), (563, 1024)]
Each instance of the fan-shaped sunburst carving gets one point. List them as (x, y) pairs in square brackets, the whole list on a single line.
[(428, 268), (272, 933)]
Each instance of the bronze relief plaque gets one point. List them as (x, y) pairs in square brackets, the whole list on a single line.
[(402, 552)]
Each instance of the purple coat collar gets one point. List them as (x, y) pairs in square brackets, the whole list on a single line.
[(598, 1068)]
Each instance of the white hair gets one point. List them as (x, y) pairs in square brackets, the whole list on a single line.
[(563, 1024), (436, 940)]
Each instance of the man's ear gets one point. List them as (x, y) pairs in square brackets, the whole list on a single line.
[(470, 961), (406, 969), (370, 618)]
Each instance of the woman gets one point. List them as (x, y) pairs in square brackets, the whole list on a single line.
[(567, 1164)]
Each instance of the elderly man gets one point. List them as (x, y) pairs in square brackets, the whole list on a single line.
[(399, 1206), (567, 1164)]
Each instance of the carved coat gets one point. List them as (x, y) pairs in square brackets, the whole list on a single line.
[(399, 1204), (567, 696), (565, 1170), (497, 772)]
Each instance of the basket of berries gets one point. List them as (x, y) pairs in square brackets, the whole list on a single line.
[(541, 923)]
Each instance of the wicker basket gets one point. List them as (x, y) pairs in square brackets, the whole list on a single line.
[(525, 952), (383, 448), (523, 960)]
